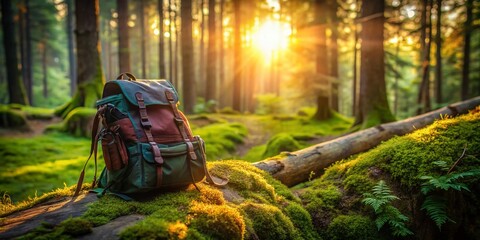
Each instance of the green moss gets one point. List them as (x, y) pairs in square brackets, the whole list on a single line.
[(151, 228), (281, 142), (38, 113), (302, 220), (346, 227), (76, 227), (11, 118), (221, 138), (79, 121), (36, 165), (269, 222), (217, 221), (322, 197), (358, 183)]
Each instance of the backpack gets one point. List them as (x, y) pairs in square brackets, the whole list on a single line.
[(146, 141)]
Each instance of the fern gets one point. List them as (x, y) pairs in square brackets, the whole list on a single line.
[(435, 205), (379, 199)]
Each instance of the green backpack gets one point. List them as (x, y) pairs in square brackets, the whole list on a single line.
[(146, 141)]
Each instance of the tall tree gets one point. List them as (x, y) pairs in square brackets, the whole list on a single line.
[(466, 49), (90, 77), (161, 41), (71, 47), (143, 37), (187, 56), (423, 99), (237, 61), (322, 71), (211, 91), (201, 67), (438, 54), (373, 105), (221, 58), (333, 47), (170, 44), (123, 40), (16, 89)]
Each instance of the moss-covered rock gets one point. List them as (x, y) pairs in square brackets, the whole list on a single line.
[(352, 227), (280, 143), (335, 199)]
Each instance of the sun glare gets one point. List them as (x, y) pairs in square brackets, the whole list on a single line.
[(271, 36)]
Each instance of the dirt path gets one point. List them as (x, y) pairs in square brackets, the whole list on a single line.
[(35, 127)]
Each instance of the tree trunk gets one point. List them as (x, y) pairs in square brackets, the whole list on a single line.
[(71, 47), (211, 91), (322, 71), (26, 49), (333, 6), (28, 54), (161, 42), (466, 49), (90, 77), (297, 166), (221, 57), (438, 55), (187, 57), (44, 68), (424, 91), (170, 47), (143, 37), (123, 45), (373, 105), (201, 51), (16, 89), (237, 61), (355, 77), (175, 51)]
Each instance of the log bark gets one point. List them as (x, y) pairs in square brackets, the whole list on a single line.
[(297, 166)]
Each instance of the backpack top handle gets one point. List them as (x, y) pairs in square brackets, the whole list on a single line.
[(129, 76)]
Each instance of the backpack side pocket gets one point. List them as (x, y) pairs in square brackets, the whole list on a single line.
[(114, 150)]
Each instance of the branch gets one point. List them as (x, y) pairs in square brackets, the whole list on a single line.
[(458, 160)]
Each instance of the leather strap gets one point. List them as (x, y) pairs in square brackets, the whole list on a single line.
[(157, 155), (93, 150), (208, 176), (178, 118)]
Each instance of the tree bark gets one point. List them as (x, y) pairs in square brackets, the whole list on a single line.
[(333, 6), (237, 61), (170, 46), (16, 89), (187, 57), (466, 49), (123, 45), (161, 42), (423, 100), (297, 166), (211, 90), (221, 57), (373, 104), (28, 54), (44, 68), (323, 99), (143, 37), (71, 47), (201, 68), (438, 55), (90, 77)]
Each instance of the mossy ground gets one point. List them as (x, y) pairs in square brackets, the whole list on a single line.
[(266, 209), (336, 196)]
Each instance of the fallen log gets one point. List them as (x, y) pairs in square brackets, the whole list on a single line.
[(297, 166)]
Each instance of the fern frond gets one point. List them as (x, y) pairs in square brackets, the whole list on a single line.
[(436, 208)]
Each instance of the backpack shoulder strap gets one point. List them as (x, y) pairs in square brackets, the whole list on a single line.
[(93, 150), (183, 131)]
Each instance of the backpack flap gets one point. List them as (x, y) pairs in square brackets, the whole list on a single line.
[(153, 91)]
